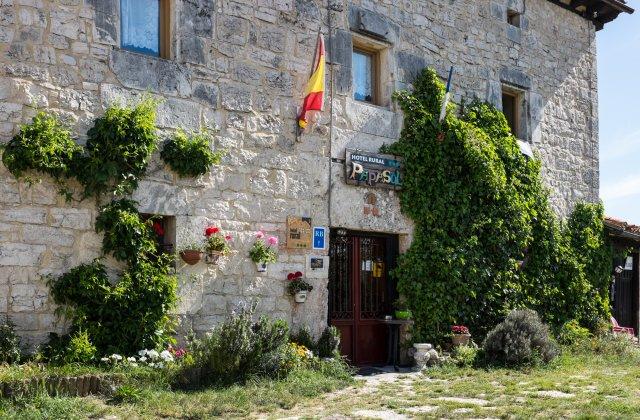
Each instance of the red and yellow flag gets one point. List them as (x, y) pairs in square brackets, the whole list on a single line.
[(314, 93)]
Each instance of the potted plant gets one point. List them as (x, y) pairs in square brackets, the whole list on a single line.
[(216, 244), (191, 253), (262, 251), (297, 287), (402, 312), (461, 335)]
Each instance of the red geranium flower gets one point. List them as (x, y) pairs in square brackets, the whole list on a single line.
[(459, 329), (157, 228), (298, 274), (211, 230), (291, 276)]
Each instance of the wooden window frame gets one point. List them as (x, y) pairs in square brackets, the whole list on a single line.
[(375, 72), (519, 105)]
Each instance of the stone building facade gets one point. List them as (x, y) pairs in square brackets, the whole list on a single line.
[(240, 67)]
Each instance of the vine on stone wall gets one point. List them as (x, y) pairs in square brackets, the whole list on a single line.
[(190, 155), (485, 239)]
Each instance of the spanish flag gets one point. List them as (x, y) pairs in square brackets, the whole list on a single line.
[(314, 93)]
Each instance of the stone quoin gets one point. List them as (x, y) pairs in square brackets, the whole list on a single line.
[(240, 68)]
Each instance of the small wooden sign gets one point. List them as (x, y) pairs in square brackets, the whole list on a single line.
[(299, 232), (373, 170)]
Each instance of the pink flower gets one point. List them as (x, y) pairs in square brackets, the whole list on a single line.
[(260, 234), (228, 237), (272, 240)]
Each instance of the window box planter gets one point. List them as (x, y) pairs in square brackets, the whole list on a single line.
[(191, 256)]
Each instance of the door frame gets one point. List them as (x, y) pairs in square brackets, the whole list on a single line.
[(391, 253)]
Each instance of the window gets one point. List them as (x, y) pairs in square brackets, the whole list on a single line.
[(164, 228), (363, 76), (145, 26), (513, 18), (511, 108)]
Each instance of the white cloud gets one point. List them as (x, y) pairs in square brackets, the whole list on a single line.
[(627, 187)]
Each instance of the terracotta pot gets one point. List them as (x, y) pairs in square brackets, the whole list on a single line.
[(460, 339), (191, 256), (301, 296), (261, 267), (212, 257)]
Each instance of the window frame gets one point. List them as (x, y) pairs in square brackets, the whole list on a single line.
[(375, 72), (514, 18), (164, 31), (520, 125)]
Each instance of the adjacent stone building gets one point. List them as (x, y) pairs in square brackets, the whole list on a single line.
[(240, 67)]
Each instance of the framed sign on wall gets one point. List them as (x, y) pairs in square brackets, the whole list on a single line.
[(299, 232), (373, 170)]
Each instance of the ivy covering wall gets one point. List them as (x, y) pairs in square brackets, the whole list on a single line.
[(485, 239)]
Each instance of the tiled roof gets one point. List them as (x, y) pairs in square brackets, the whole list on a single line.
[(621, 226)]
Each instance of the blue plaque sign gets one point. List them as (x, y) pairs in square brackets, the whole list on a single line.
[(319, 235)]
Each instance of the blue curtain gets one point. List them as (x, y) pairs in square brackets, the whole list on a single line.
[(140, 23)]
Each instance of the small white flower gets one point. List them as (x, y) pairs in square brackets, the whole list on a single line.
[(152, 364), (131, 359), (143, 359), (104, 359), (116, 357), (166, 356), (142, 352), (153, 355), (160, 365)]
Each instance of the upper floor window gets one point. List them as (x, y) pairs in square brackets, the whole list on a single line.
[(511, 105), (513, 18), (363, 76), (145, 26)]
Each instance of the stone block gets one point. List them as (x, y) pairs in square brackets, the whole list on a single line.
[(494, 93), (372, 23), (369, 119), (410, 66), (192, 49), (515, 77), (235, 97), (24, 215), (340, 54), (513, 33), (27, 298), (21, 255), (46, 235), (207, 93), (105, 20), (178, 113), (144, 72), (233, 30), (196, 17), (72, 218), (9, 192)]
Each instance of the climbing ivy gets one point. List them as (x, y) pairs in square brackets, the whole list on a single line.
[(190, 155), (44, 146), (485, 239)]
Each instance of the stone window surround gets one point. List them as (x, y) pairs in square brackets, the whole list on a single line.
[(381, 77), (520, 111)]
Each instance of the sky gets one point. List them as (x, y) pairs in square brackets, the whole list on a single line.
[(619, 106)]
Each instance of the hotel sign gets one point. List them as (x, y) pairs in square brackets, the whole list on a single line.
[(373, 170)]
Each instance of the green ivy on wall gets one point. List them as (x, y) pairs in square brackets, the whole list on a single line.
[(485, 239), (190, 155)]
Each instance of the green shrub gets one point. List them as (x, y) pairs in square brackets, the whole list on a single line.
[(126, 394), (571, 333), (118, 150), (44, 146), (9, 343), (521, 339), (69, 348), (126, 235), (465, 356), (329, 343), (190, 155), (304, 338), (610, 344), (130, 315), (239, 348)]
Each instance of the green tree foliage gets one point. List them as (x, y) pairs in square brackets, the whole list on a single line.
[(43, 146), (190, 155), (480, 209), (118, 150)]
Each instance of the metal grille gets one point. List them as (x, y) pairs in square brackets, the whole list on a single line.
[(372, 289), (340, 291)]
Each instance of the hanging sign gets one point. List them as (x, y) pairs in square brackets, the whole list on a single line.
[(319, 235), (298, 232), (373, 170)]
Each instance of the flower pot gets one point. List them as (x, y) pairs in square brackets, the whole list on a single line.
[(301, 296), (212, 257), (460, 339), (261, 267), (191, 256)]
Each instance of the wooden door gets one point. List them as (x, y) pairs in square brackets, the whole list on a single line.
[(360, 294), (625, 296)]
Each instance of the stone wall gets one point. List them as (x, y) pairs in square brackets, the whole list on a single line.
[(239, 67)]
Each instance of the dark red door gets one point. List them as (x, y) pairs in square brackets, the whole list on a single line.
[(359, 295)]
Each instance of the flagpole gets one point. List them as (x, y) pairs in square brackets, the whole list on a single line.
[(447, 95)]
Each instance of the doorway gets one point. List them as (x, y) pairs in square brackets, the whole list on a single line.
[(361, 293), (625, 295)]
